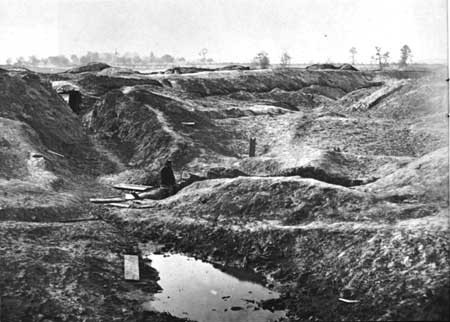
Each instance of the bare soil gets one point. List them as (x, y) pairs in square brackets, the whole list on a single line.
[(347, 195)]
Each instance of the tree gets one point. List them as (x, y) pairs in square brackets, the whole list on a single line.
[(93, 56), (378, 57), (107, 58), (9, 61), (75, 60), (20, 61), (285, 59), (137, 60), (33, 60), (353, 52), (152, 57), (60, 60), (202, 54), (386, 57), (262, 60), (167, 59), (405, 54)]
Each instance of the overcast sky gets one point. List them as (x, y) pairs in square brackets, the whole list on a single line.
[(232, 30)]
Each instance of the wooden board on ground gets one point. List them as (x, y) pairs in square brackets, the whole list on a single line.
[(129, 196), (119, 205), (348, 301), (131, 267), (107, 200), (134, 187), (56, 153)]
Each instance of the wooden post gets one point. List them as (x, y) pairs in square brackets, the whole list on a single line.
[(252, 149)]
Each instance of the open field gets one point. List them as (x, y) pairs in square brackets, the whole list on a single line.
[(347, 195)]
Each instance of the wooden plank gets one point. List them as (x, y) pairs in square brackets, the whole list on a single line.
[(107, 200), (55, 153), (119, 205), (129, 196), (348, 301), (131, 267), (188, 123), (135, 187)]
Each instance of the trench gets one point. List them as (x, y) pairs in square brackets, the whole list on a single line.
[(73, 99)]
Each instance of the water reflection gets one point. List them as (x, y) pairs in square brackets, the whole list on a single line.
[(196, 290)]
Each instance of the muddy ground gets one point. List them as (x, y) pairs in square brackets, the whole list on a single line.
[(347, 195)]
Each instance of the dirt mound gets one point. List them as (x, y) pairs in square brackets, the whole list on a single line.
[(377, 96), (321, 66), (345, 169), (98, 85), (91, 67), (116, 71), (332, 67), (233, 67), (44, 152), (294, 100), (218, 83), (381, 136), (156, 128), (25, 99), (192, 70), (291, 200), (425, 179), (348, 67), (416, 106), (186, 70), (222, 172), (412, 100)]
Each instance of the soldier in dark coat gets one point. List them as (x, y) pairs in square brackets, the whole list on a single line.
[(167, 186), (167, 177)]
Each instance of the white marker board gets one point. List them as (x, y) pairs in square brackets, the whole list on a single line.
[(131, 267)]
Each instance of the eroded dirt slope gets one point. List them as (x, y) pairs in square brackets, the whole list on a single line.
[(385, 143), (346, 197)]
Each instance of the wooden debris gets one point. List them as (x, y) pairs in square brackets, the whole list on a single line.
[(348, 301), (252, 148), (129, 196), (131, 267), (107, 200), (118, 205), (55, 153), (188, 123), (143, 206), (135, 187)]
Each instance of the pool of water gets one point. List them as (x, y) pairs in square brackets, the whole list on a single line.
[(197, 290)]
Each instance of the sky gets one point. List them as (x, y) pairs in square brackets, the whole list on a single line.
[(231, 30)]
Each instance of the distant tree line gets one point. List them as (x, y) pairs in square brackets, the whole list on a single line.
[(382, 59), (261, 60), (115, 59)]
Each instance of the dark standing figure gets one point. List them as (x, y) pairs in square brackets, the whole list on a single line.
[(75, 101), (167, 177), (252, 149), (166, 188)]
